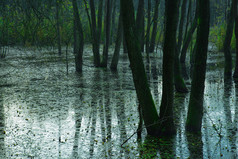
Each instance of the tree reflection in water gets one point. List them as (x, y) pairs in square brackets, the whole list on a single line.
[(2, 127)]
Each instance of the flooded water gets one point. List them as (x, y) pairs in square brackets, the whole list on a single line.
[(45, 113)]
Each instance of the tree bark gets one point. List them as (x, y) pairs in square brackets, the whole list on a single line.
[(107, 34), (235, 75), (147, 43), (144, 96), (195, 109), (78, 38), (178, 78), (154, 31), (227, 42), (140, 17), (95, 42), (166, 109), (115, 57), (58, 27)]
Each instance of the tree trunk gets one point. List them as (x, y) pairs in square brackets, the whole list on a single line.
[(144, 96), (178, 78), (235, 75), (166, 109), (187, 40), (147, 45), (95, 42), (195, 109), (115, 57), (154, 31), (79, 40), (227, 42), (58, 27), (140, 17), (186, 43), (107, 34), (113, 21)]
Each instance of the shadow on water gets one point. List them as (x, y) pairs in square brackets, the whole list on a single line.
[(78, 105), (180, 110), (120, 113), (231, 125), (2, 128)]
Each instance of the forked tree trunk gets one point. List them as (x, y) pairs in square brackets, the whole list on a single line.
[(144, 96), (166, 108)]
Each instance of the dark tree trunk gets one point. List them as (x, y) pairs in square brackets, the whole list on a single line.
[(178, 78), (186, 43), (115, 57), (195, 109), (235, 75), (147, 43), (166, 108), (227, 42), (96, 41), (79, 40), (107, 34), (100, 13), (140, 17), (187, 40), (181, 24), (58, 27), (124, 44), (113, 21), (154, 31), (144, 96)]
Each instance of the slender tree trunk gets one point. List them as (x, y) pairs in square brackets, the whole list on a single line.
[(235, 75), (181, 24), (124, 44), (154, 31), (195, 109), (58, 27), (144, 96), (113, 21), (100, 14), (95, 42), (115, 57), (140, 17), (187, 40), (227, 42), (79, 40), (148, 29), (107, 34), (166, 108), (178, 78), (186, 43)]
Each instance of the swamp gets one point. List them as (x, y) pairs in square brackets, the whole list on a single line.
[(95, 79)]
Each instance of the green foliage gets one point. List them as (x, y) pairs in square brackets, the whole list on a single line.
[(217, 36), (37, 27)]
